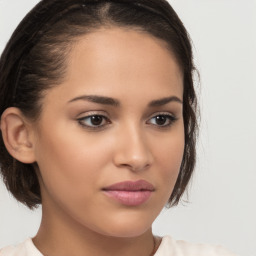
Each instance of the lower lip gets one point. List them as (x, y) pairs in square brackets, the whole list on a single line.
[(129, 198)]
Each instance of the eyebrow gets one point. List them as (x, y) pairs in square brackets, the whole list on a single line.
[(98, 99), (116, 103), (164, 101)]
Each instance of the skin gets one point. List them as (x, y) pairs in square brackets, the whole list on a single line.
[(76, 161)]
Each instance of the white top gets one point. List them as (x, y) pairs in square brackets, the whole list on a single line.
[(168, 247)]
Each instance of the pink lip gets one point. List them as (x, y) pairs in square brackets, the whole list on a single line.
[(130, 193)]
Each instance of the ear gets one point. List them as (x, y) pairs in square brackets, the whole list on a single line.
[(17, 135)]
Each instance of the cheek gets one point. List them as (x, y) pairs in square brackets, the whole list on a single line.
[(68, 149), (66, 165), (168, 156)]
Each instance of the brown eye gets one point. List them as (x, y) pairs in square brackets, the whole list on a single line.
[(163, 120), (96, 120), (93, 121)]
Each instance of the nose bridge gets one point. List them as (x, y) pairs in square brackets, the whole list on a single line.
[(133, 150)]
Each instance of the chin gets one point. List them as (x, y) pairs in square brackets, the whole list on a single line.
[(126, 227), (126, 232)]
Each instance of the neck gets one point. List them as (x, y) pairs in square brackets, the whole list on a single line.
[(62, 236)]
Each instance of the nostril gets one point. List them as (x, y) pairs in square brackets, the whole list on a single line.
[(132, 152), (136, 167)]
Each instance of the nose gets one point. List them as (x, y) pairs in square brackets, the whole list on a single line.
[(132, 150)]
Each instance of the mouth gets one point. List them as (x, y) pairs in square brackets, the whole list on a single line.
[(130, 193)]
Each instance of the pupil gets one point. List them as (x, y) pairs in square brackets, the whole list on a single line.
[(160, 120), (96, 120)]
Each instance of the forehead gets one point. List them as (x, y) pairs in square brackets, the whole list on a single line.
[(115, 62)]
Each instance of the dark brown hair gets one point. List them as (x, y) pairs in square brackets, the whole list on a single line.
[(35, 60)]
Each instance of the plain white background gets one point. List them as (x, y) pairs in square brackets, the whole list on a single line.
[(222, 205)]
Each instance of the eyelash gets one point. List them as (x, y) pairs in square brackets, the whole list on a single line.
[(170, 119), (82, 121)]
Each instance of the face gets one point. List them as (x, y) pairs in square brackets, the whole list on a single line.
[(110, 139)]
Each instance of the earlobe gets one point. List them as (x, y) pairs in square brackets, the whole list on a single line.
[(17, 135)]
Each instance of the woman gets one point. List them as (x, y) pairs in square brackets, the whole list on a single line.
[(98, 122)]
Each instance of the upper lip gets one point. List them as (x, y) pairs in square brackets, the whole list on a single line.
[(138, 185)]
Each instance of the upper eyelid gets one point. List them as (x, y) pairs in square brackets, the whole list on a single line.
[(88, 116), (162, 113), (92, 113), (106, 115)]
